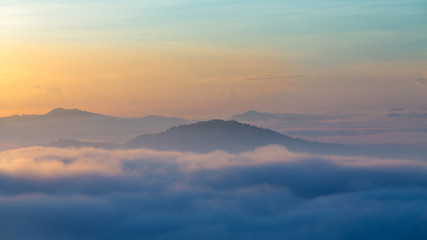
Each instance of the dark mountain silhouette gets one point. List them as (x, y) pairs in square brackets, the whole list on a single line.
[(231, 136)]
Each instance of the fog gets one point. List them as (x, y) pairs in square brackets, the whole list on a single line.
[(268, 193)]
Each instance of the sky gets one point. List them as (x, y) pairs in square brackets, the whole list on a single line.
[(209, 58)]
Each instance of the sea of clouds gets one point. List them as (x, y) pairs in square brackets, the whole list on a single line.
[(268, 193)]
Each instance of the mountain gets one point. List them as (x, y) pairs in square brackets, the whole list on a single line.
[(254, 116), (67, 143), (27, 130), (230, 136), (70, 113), (235, 137), (57, 113)]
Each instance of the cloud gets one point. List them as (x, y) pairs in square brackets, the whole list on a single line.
[(53, 162), (254, 78), (421, 80), (334, 132), (48, 90), (53, 90), (270, 77), (298, 118), (408, 115), (268, 193)]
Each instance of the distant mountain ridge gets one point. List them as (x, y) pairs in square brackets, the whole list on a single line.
[(66, 143), (28, 130), (66, 113), (255, 116), (77, 113), (52, 114)]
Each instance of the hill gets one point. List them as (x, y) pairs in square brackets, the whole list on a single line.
[(230, 136)]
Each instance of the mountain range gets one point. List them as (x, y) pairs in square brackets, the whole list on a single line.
[(76, 128), (27, 130)]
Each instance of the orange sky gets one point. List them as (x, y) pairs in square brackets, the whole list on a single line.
[(193, 60)]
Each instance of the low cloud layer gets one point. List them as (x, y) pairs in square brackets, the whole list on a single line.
[(269, 193), (421, 80)]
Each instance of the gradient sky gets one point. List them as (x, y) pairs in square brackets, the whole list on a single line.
[(210, 58)]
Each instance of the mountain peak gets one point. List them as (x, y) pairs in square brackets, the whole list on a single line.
[(62, 112), (214, 125), (205, 136), (253, 116)]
